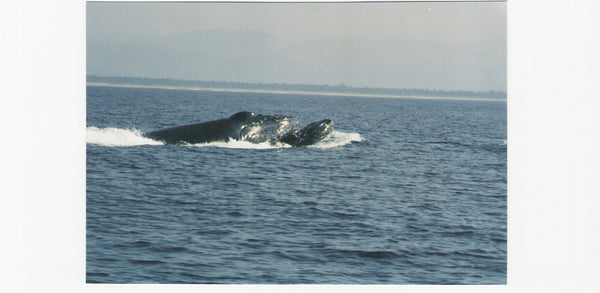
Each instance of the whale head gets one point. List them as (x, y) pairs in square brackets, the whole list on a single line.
[(310, 134)]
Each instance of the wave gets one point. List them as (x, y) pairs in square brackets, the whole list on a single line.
[(118, 137)]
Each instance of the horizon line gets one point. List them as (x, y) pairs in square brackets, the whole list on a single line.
[(289, 92), (298, 84)]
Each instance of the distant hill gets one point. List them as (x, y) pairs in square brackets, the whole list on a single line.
[(341, 88)]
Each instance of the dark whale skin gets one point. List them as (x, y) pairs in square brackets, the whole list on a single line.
[(218, 130)]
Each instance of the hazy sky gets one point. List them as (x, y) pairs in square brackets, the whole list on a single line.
[(465, 39)]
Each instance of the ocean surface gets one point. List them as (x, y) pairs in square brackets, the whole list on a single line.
[(404, 191)]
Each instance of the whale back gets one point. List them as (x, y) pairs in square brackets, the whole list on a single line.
[(217, 130)]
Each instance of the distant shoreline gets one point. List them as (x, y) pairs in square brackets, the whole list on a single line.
[(288, 92)]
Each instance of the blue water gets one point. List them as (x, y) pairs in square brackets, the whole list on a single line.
[(405, 191)]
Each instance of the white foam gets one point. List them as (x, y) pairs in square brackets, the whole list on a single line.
[(111, 136), (236, 144), (334, 139), (337, 139)]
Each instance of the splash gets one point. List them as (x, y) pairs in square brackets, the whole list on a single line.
[(111, 136), (333, 140), (117, 137), (236, 144), (337, 139)]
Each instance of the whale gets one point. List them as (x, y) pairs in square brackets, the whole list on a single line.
[(247, 126)]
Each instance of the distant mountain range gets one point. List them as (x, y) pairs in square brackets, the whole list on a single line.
[(340, 88)]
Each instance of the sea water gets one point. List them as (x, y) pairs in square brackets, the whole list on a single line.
[(404, 191)]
